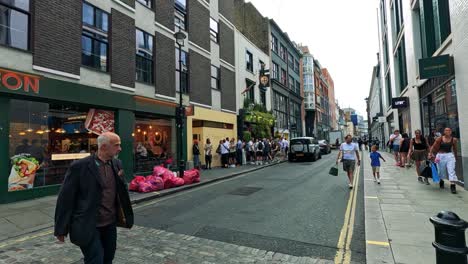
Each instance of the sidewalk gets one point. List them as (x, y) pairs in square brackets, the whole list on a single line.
[(28, 216), (397, 213)]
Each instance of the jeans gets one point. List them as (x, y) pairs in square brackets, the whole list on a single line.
[(447, 166), (101, 248), (196, 161)]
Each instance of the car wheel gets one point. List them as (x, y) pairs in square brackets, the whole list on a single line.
[(314, 157), (290, 159), (329, 151), (320, 155)]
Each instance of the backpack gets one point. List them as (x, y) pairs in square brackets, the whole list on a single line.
[(260, 145)]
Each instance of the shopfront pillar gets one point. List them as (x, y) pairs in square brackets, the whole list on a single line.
[(125, 122), (4, 155)]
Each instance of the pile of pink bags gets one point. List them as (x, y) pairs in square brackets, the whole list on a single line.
[(162, 178)]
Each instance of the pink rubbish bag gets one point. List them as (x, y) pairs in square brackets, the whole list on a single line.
[(159, 170), (133, 186), (178, 181), (145, 187), (157, 182), (191, 176)]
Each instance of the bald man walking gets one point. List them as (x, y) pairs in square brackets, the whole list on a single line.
[(93, 201)]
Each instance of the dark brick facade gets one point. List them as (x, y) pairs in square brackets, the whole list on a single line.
[(252, 24), (226, 45), (226, 8), (199, 24), (129, 2), (122, 49), (57, 35), (228, 89), (200, 78), (165, 65), (164, 13)]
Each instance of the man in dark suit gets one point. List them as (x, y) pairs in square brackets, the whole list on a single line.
[(93, 201)]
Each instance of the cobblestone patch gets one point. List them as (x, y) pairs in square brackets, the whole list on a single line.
[(145, 245)]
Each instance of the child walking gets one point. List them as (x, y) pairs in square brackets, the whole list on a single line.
[(375, 163)]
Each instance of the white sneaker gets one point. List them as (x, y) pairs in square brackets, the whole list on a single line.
[(378, 181), (350, 185), (375, 180)]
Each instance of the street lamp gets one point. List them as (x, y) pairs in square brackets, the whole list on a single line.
[(180, 111)]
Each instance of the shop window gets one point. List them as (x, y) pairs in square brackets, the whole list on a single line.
[(94, 41), (46, 138), (154, 144), (182, 81), (14, 24), (144, 57)]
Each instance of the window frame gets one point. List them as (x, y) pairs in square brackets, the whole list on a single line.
[(185, 73), (275, 71), (284, 78), (214, 35), (274, 43), (216, 78), (96, 34), (250, 94), (249, 65), (29, 20), (282, 52), (146, 3), (147, 54)]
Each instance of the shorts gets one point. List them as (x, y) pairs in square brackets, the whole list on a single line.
[(375, 169), (349, 165), (396, 148), (259, 153), (419, 155)]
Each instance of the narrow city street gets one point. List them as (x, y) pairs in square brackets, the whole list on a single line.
[(294, 208)]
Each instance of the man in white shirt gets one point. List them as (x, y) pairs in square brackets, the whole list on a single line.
[(395, 139), (225, 153), (349, 151)]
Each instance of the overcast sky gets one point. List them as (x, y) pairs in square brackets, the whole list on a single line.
[(341, 34)]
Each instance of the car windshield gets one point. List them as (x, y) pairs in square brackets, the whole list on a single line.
[(300, 141)]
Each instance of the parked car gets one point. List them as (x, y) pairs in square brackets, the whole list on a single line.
[(304, 148), (325, 147)]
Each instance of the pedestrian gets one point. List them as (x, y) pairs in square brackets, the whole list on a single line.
[(404, 149), (349, 151), (196, 154), (418, 152), (232, 153), (394, 144), (375, 163), (225, 153), (266, 150), (285, 145), (251, 151), (259, 151), (337, 143), (445, 148), (208, 157), (93, 201), (239, 147)]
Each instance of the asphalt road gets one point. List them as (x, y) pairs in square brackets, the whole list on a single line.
[(292, 208)]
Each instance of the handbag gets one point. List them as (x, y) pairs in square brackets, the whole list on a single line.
[(333, 171)]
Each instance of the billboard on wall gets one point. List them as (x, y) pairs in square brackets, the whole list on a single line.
[(354, 119)]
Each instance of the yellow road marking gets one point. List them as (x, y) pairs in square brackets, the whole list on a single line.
[(16, 241), (371, 197), (344, 240), (379, 243)]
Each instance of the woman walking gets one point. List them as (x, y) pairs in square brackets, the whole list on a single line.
[(208, 156), (445, 148), (417, 152), (404, 148), (394, 144)]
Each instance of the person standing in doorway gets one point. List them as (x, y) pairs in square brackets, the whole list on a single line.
[(196, 154), (208, 156), (445, 148), (93, 200), (349, 151)]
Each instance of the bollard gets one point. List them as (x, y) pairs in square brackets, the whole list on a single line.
[(450, 243)]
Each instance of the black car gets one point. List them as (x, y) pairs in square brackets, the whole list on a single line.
[(325, 147)]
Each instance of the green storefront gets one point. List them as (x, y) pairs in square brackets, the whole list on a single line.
[(46, 123)]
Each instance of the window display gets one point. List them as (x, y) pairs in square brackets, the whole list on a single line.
[(45, 138), (153, 144)]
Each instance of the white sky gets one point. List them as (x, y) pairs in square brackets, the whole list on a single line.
[(341, 34)]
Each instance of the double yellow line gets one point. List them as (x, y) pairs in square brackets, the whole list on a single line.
[(343, 255)]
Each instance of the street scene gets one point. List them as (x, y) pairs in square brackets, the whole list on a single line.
[(233, 131)]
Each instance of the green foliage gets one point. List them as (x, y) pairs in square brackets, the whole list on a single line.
[(246, 135)]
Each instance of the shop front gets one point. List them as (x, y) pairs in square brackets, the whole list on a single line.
[(46, 124), (206, 124), (439, 110)]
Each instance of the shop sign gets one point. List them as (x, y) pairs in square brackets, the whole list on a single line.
[(382, 119), (435, 67), (23, 172), (189, 110), (399, 102), (15, 81)]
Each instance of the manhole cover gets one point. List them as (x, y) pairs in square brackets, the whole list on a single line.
[(245, 191)]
